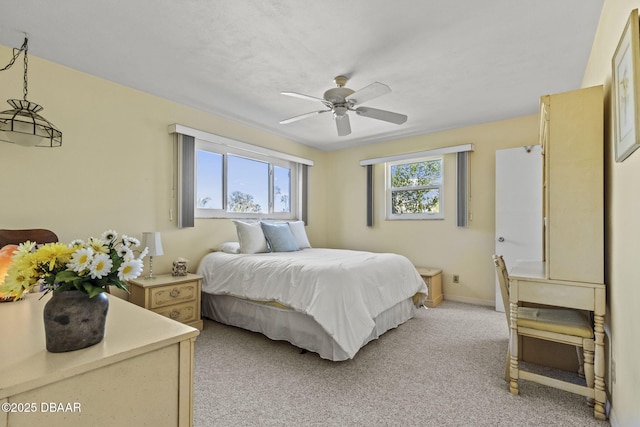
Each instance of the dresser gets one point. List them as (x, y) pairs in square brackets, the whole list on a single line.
[(140, 374), (175, 297)]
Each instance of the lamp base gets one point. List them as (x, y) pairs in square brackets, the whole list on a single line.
[(150, 276)]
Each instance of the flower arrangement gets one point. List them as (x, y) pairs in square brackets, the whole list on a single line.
[(86, 266)]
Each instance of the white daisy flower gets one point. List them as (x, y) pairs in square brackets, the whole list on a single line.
[(26, 247), (109, 236), (76, 242), (81, 259), (130, 241), (100, 266), (130, 269), (125, 253)]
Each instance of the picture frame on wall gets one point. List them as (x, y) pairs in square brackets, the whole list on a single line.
[(625, 90)]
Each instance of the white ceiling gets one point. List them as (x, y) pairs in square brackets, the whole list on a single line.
[(449, 64)]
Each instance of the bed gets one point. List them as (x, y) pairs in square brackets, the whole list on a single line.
[(328, 301)]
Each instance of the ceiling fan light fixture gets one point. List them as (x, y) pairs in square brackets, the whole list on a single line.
[(22, 125), (340, 112)]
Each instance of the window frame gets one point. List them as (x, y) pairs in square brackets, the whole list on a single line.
[(225, 150), (390, 190)]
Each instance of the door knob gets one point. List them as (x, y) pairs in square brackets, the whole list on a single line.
[(500, 239)]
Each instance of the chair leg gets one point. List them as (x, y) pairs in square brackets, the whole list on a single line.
[(589, 372), (507, 373), (514, 338), (580, 362)]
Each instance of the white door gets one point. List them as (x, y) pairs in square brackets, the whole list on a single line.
[(518, 207)]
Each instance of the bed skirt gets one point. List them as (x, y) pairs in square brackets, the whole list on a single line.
[(299, 329)]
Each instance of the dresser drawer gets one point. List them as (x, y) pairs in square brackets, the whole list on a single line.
[(173, 294), (186, 312)]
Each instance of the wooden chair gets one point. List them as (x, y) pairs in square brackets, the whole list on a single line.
[(37, 235), (553, 324)]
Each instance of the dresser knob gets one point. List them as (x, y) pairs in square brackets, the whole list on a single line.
[(174, 314), (175, 293)]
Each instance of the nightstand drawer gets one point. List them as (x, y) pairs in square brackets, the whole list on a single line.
[(176, 297), (173, 294), (186, 312)]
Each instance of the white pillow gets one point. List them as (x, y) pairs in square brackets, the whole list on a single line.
[(299, 233), (230, 247), (251, 237)]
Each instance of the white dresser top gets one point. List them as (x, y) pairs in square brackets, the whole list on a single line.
[(25, 362)]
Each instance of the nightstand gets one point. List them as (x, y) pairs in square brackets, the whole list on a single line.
[(175, 297), (433, 279)]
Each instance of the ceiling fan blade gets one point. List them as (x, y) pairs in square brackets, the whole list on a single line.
[(367, 93), (302, 116), (307, 97), (343, 125), (387, 116)]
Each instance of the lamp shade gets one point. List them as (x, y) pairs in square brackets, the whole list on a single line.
[(151, 239), (24, 126), (6, 253)]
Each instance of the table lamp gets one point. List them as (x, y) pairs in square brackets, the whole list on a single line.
[(151, 239)]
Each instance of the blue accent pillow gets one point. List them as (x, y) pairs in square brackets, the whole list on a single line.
[(279, 237)]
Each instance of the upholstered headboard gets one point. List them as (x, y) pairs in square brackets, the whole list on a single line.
[(38, 235)]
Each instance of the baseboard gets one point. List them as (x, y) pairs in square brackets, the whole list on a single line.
[(475, 301)]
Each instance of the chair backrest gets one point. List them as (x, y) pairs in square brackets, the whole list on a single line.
[(503, 279), (37, 235)]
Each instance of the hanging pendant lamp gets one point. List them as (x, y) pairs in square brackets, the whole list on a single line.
[(23, 125)]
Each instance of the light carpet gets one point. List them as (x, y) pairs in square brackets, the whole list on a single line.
[(445, 367)]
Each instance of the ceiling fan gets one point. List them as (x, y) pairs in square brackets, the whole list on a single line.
[(341, 99)]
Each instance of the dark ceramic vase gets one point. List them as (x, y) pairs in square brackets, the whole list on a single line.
[(73, 321)]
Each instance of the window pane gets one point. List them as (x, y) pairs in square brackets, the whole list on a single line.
[(416, 174), (281, 189), (416, 201), (248, 185), (209, 180)]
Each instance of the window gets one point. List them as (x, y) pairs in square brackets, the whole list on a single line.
[(209, 180), (415, 188), (233, 183)]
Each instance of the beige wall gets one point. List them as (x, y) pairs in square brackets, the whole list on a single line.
[(430, 243), (622, 229), (115, 169)]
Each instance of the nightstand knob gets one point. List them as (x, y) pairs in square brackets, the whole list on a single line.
[(175, 293), (174, 314)]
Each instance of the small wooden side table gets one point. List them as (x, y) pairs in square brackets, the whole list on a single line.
[(433, 279), (175, 297)]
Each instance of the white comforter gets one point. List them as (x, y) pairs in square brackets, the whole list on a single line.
[(342, 290)]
